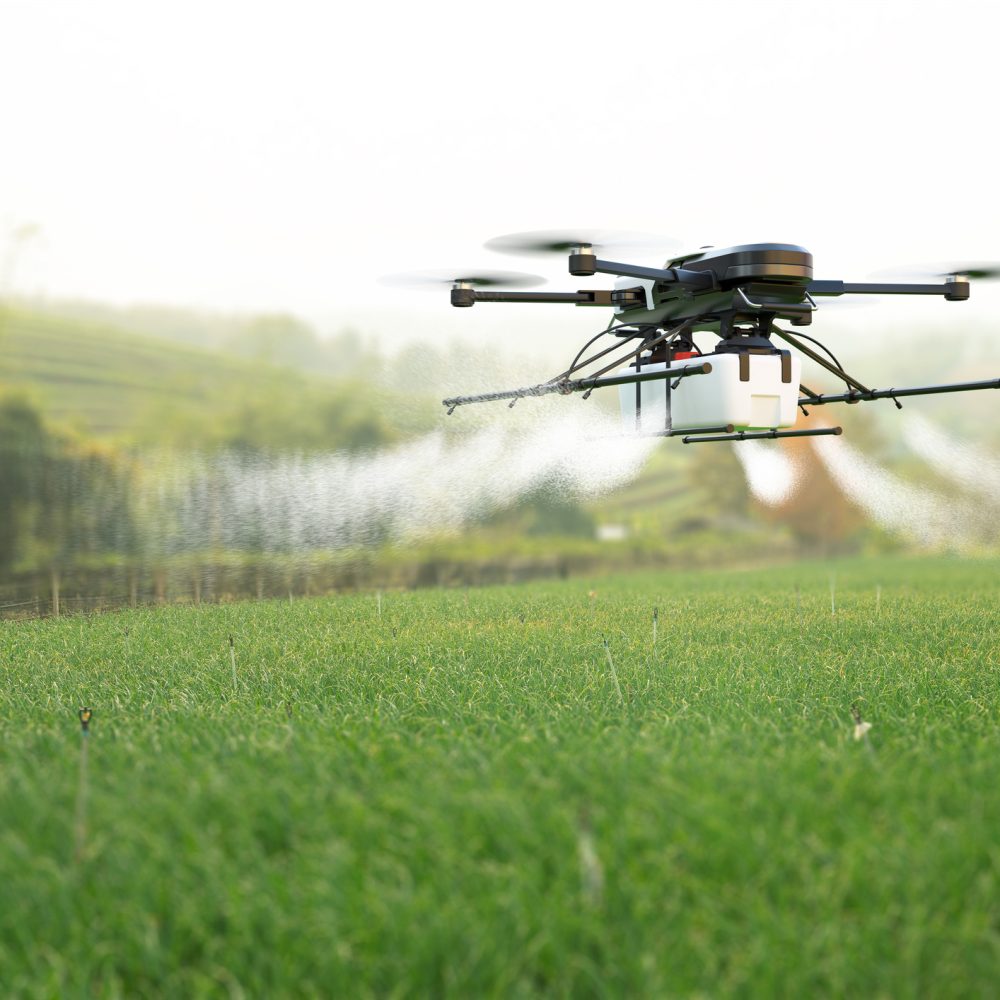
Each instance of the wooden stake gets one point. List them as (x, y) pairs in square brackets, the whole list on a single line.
[(80, 821), (614, 673)]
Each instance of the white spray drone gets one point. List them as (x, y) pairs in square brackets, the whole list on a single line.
[(746, 387)]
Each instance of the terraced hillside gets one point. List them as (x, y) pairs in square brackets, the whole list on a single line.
[(112, 384), (106, 382)]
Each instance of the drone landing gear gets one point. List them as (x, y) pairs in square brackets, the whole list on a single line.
[(759, 435)]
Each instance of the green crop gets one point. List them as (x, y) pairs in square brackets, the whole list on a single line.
[(443, 793)]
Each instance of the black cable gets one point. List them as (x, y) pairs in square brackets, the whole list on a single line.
[(611, 328), (805, 336), (579, 354), (666, 336)]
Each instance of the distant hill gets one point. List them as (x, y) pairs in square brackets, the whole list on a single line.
[(112, 384), (277, 338)]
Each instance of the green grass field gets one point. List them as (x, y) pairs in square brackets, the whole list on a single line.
[(451, 797)]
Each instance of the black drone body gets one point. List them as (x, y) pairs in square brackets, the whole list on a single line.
[(747, 386)]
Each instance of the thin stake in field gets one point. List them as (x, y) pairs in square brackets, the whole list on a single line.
[(833, 593), (656, 615), (591, 870), (80, 821), (614, 673), (378, 602), (861, 727)]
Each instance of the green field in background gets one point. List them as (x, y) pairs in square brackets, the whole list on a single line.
[(455, 792), (104, 380)]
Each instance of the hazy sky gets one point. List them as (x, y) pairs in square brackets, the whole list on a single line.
[(283, 155)]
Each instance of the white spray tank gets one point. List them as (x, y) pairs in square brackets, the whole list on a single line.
[(752, 389)]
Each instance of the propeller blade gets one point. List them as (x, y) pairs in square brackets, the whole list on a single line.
[(977, 270), (981, 270), (477, 277), (543, 242)]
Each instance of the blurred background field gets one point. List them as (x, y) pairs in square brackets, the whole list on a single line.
[(160, 454)]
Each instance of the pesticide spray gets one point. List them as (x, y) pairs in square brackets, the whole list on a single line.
[(772, 475), (966, 465), (438, 483), (918, 513), (432, 485)]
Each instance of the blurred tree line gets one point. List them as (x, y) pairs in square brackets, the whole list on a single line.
[(73, 502), (63, 499), (346, 415)]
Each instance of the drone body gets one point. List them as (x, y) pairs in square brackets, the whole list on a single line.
[(717, 285), (746, 386), (750, 386)]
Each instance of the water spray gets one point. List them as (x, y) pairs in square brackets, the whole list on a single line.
[(922, 514), (967, 465), (772, 475), (432, 485)]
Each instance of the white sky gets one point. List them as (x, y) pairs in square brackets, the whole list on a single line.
[(283, 155)]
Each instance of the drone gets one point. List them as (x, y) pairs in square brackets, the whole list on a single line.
[(747, 386)]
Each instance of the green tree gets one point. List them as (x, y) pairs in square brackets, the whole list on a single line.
[(63, 500), (24, 447)]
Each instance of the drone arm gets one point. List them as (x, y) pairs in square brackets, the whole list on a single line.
[(464, 297), (953, 291), (584, 264)]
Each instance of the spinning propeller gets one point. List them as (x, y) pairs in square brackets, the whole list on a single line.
[(543, 242), (983, 270), (472, 278)]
